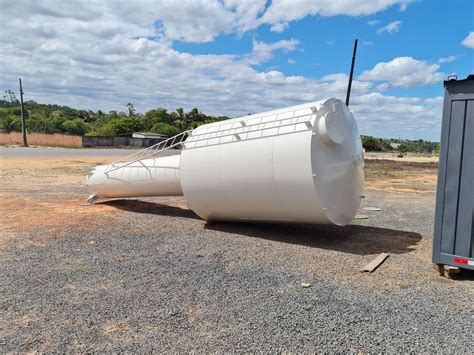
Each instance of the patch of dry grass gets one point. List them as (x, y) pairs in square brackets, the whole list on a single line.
[(400, 175)]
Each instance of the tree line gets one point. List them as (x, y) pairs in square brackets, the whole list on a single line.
[(401, 146), (63, 119)]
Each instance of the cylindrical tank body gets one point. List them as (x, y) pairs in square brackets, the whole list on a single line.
[(299, 164), (148, 177)]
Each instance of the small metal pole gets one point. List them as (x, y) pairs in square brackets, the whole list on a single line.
[(349, 86), (23, 126)]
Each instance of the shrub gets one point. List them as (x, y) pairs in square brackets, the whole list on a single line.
[(166, 129), (10, 123), (76, 126)]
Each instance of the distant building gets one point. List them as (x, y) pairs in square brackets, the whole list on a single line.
[(394, 145), (145, 135)]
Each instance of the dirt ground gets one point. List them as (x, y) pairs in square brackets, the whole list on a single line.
[(401, 176), (409, 157), (49, 192), (208, 284)]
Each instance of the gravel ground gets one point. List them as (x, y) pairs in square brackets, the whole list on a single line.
[(152, 276)]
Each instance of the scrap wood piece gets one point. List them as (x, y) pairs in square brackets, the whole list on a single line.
[(374, 264), (450, 272), (376, 209)]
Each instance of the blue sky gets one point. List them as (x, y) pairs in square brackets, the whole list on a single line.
[(234, 57), (429, 30)]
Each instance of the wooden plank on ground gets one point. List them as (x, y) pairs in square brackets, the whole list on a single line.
[(374, 264), (450, 272)]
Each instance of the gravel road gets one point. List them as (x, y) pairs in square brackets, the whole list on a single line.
[(152, 276)]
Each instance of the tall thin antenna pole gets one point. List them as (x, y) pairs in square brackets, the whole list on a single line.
[(349, 86), (23, 126)]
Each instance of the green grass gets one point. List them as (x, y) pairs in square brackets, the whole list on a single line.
[(358, 222), (82, 269)]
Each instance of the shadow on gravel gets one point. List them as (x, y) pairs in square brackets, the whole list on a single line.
[(351, 239), (466, 275), (138, 206)]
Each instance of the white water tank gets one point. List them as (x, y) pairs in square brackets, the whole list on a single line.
[(147, 177), (299, 164)]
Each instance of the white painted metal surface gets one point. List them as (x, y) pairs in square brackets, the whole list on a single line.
[(148, 177), (299, 164)]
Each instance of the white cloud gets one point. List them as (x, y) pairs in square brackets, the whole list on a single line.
[(404, 72), (398, 117), (281, 12), (188, 20), (367, 43), (449, 59), (392, 27), (291, 10), (331, 42), (291, 61), (469, 40), (101, 55), (279, 27), (262, 51), (383, 86), (373, 22)]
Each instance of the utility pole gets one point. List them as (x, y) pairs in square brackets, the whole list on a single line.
[(349, 86), (23, 126)]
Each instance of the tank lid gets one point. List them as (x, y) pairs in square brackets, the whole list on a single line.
[(337, 162)]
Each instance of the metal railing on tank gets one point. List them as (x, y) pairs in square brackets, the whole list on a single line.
[(149, 152)]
